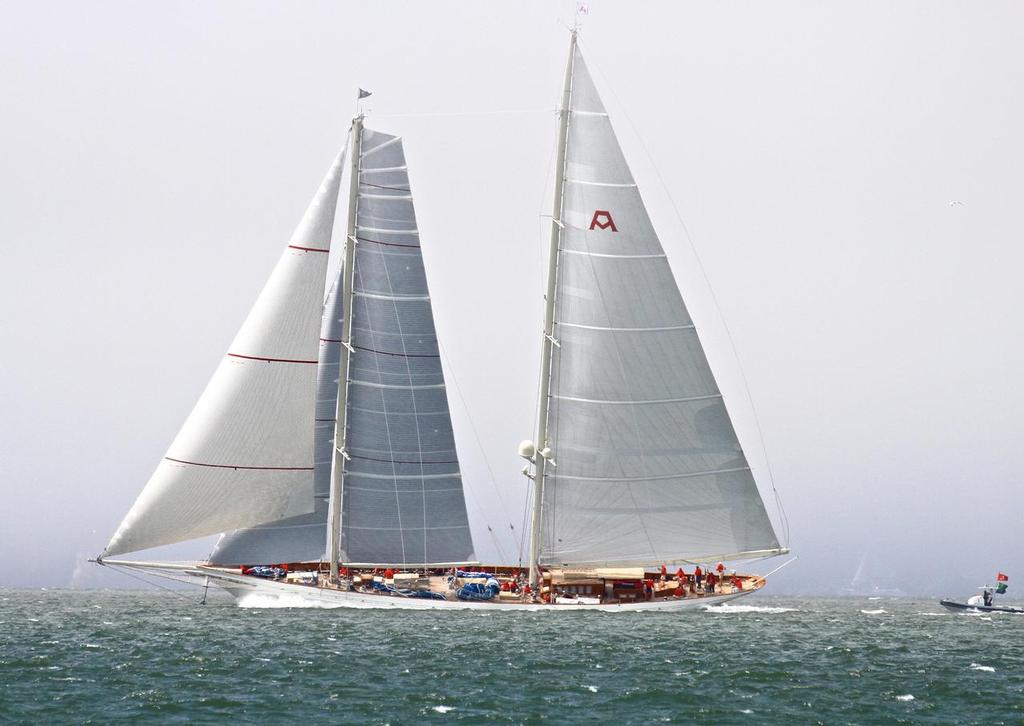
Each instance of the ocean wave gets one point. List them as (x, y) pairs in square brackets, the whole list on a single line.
[(879, 611), (727, 608), (259, 601), (985, 668), (905, 697)]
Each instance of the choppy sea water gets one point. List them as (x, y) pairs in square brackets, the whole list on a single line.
[(73, 657)]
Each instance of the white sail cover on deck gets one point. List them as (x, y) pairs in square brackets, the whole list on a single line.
[(302, 538), (245, 454), (648, 466), (402, 499)]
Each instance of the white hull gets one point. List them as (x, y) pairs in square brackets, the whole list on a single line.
[(255, 592)]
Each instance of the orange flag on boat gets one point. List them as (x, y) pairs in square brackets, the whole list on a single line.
[(1000, 577)]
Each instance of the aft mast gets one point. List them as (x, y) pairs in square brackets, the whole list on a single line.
[(348, 276), (542, 453)]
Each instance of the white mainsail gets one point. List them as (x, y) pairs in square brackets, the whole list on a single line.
[(245, 454), (647, 466), (302, 538), (401, 499)]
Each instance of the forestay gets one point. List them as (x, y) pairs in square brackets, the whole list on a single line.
[(245, 454), (402, 499), (648, 466), (301, 538)]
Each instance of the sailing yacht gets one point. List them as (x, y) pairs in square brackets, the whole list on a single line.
[(323, 447)]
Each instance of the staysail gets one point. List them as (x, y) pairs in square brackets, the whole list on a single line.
[(245, 454), (302, 538), (647, 465), (402, 499)]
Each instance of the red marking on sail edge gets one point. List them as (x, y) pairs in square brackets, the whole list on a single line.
[(603, 214), (396, 461), (307, 249), (231, 466), (387, 244), (404, 355), (270, 360)]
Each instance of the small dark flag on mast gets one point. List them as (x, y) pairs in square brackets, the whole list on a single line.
[(364, 94)]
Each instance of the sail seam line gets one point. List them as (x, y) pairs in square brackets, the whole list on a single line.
[(391, 477), (406, 529), (404, 197), (230, 466), (651, 478), (397, 298), (391, 385), (378, 147), (617, 185), (604, 254), (383, 168), (640, 403), (411, 491), (627, 330), (387, 231)]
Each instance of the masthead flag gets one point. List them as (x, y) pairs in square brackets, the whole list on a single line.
[(364, 94), (1000, 577)]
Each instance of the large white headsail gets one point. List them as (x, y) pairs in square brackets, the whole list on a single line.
[(245, 453), (648, 466), (301, 538), (402, 499)]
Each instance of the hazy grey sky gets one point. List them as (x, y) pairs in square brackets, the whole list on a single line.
[(851, 176)]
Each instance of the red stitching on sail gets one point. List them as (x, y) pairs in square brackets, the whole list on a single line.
[(270, 360), (386, 244), (395, 461), (230, 466), (404, 355), (306, 249)]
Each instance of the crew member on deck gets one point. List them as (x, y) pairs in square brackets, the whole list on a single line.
[(698, 575)]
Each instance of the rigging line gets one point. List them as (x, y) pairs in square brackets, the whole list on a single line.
[(527, 501), (476, 437), (387, 423), (140, 578), (542, 253), (494, 112), (711, 290), (412, 398)]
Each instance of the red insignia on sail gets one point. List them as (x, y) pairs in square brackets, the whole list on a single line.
[(602, 219)]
